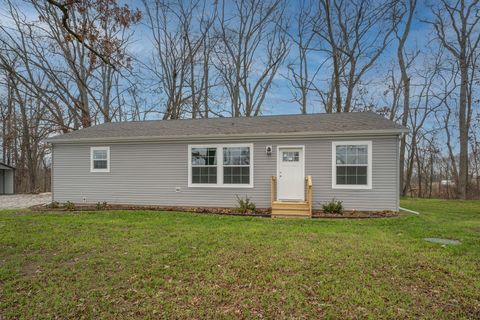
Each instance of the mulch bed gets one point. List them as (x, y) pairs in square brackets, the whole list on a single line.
[(91, 207), (262, 212), (355, 214)]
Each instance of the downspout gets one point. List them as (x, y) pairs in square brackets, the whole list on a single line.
[(410, 211)]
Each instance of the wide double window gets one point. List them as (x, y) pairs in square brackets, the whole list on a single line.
[(221, 165), (352, 165)]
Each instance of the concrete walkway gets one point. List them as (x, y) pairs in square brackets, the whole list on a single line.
[(19, 201)]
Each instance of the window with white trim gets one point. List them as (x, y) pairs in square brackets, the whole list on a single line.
[(221, 165), (352, 165), (100, 159)]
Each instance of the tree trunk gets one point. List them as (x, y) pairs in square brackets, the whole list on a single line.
[(411, 160), (405, 81), (463, 125)]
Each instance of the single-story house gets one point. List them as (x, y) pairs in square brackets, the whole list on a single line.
[(292, 163), (7, 179)]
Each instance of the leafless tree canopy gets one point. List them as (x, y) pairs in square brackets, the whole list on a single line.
[(67, 65)]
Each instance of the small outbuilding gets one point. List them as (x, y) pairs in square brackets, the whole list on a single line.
[(7, 179)]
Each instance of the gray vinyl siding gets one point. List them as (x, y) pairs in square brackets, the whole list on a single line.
[(7, 177), (9, 181), (148, 174), (2, 181)]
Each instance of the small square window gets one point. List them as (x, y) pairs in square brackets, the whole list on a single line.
[(100, 159), (351, 165)]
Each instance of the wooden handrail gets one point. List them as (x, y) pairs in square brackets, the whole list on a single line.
[(273, 189), (309, 192)]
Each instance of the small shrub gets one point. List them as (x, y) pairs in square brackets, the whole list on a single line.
[(102, 205), (53, 205), (69, 205), (334, 206), (245, 205)]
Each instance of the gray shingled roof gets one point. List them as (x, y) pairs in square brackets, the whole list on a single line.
[(320, 123)]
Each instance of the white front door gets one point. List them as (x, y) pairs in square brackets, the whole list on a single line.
[(290, 174)]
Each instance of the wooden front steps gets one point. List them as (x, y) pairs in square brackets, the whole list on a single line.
[(291, 209), (300, 209)]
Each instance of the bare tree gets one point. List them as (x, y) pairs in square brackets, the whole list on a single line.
[(71, 73), (447, 84), (8, 115), (426, 104), (252, 47), (475, 154), (356, 34), (403, 63), (302, 72), (457, 25), (24, 130), (88, 36), (180, 32)]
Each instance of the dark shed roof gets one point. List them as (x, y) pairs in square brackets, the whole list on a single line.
[(5, 166), (310, 124)]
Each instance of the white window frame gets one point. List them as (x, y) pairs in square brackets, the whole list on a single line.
[(219, 183), (92, 149), (334, 165)]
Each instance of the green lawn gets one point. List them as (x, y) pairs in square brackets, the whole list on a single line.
[(145, 264)]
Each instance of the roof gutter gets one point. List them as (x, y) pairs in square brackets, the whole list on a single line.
[(320, 134)]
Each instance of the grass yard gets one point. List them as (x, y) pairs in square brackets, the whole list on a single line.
[(143, 264)]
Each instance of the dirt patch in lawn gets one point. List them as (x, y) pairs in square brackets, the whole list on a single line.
[(474, 229)]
